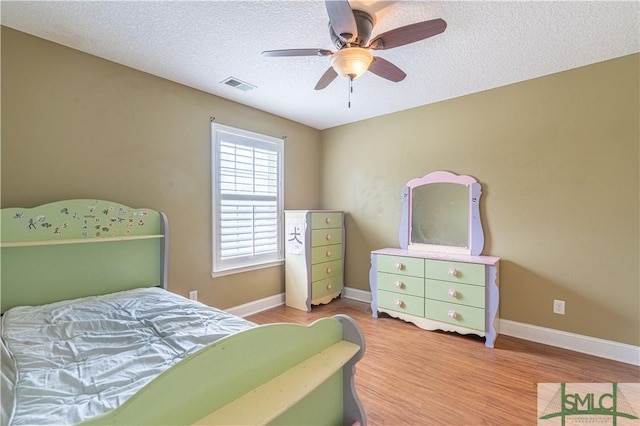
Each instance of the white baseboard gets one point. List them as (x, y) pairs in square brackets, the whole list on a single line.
[(355, 294), (277, 300), (576, 342), (257, 306)]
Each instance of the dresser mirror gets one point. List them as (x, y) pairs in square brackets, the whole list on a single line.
[(441, 213)]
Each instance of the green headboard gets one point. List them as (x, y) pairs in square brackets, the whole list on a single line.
[(76, 248)]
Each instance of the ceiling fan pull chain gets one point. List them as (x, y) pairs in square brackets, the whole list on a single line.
[(350, 90)]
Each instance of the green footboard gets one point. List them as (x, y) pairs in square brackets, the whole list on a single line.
[(271, 374)]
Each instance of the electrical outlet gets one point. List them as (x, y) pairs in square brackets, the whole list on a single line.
[(558, 307), (193, 295)]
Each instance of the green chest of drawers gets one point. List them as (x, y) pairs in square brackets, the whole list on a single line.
[(448, 292), (314, 250)]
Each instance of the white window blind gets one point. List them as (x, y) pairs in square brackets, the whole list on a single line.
[(247, 199)]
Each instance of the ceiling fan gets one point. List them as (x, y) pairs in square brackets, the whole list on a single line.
[(350, 31)]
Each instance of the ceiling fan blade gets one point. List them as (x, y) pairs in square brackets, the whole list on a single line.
[(408, 34), (297, 52), (328, 76), (341, 19), (385, 69)]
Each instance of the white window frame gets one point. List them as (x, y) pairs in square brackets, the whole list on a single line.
[(225, 135)]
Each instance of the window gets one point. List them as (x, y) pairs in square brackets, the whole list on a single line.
[(247, 200)]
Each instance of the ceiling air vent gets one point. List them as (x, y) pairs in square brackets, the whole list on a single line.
[(238, 84)]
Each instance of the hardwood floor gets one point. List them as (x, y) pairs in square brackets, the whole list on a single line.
[(410, 376)]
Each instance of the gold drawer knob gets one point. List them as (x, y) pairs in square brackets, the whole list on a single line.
[(327, 220), (328, 237), (453, 272), (453, 293), (329, 270), (453, 314), (399, 303), (399, 266), (328, 253), (400, 284)]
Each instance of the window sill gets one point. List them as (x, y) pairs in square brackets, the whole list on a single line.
[(242, 269)]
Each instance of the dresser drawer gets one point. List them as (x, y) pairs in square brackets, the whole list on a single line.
[(324, 237), (328, 286), (400, 265), (469, 273), (405, 303), (322, 220), (320, 271), (464, 294), (402, 284), (452, 313), (326, 253)]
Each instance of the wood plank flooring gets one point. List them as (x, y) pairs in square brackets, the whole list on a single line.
[(410, 376)]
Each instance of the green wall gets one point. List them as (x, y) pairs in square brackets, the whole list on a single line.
[(76, 126), (558, 158)]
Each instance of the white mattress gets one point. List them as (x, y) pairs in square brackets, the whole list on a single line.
[(69, 361)]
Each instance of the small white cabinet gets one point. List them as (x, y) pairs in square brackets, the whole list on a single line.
[(314, 252)]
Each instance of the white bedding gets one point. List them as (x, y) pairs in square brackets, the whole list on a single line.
[(69, 361)]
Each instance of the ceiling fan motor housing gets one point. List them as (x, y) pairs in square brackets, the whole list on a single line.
[(364, 23), (350, 31)]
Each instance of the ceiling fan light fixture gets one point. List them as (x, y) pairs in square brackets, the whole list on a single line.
[(351, 62)]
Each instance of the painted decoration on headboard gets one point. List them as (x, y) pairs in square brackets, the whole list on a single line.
[(77, 219)]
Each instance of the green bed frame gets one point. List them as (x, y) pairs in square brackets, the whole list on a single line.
[(270, 374)]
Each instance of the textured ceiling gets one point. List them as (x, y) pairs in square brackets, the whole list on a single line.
[(200, 44)]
